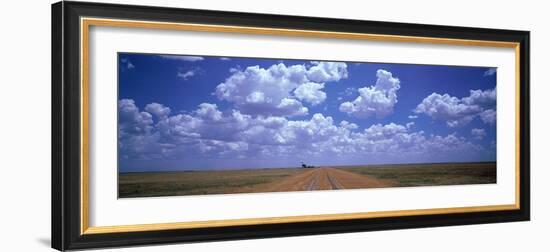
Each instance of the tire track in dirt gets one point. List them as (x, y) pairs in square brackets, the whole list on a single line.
[(334, 183), (313, 184), (324, 178)]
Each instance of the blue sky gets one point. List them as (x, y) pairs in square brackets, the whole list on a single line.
[(180, 112)]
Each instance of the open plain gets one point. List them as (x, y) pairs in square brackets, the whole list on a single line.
[(150, 184)]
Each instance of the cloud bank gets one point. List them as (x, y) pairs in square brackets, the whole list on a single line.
[(457, 112), (209, 132)]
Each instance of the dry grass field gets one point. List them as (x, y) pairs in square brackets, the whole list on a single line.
[(150, 184), (147, 184), (432, 174)]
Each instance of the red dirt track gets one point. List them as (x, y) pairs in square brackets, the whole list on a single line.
[(324, 178)]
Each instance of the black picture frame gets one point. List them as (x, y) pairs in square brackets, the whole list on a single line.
[(66, 124)]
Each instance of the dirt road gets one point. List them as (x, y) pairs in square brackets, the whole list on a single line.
[(324, 178)]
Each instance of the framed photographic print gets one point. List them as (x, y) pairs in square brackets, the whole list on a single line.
[(179, 125)]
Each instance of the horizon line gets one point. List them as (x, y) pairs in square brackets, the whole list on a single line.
[(299, 167)]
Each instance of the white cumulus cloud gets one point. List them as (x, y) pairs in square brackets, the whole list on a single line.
[(377, 100), (158, 110), (279, 90), (458, 112), (478, 133), (490, 71), (488, 116), (327, 71), (209, 111), (347, 125), (311, 92), (186, 74), (131, 119)]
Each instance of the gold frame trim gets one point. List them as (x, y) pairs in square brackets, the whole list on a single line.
[(85, 24)]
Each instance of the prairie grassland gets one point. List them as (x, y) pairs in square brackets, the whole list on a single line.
[(148, 184), (431, 174), (151, 184)]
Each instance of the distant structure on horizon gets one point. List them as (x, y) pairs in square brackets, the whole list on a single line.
[(304, 165)]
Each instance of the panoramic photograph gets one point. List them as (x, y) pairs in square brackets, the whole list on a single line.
[(199, 125)]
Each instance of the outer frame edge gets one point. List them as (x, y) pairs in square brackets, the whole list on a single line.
[(56, 126), (525, 120), (76, 241)]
